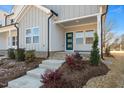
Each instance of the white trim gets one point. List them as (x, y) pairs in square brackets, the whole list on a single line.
[(15, 46), (99, 31), (44, 9), (80, 25), (74, 39), (18, 15), (28, 36), (81, 17), (7, 28), (31, 28)]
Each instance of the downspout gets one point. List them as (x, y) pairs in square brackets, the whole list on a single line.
[(7, 17), (17, 35), (53, 13), (102, 32)]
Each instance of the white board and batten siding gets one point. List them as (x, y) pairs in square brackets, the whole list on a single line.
[(73, 11), (33, 18), (57, 37)]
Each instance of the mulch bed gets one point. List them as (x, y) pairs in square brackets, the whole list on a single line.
[(10, 69), (78, 78)]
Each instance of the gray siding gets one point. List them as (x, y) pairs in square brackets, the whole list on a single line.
[(33, 18), (72, 11)]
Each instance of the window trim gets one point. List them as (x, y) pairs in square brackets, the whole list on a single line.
[(89, 43), (35, 35), (79, 37), (28, 36), (14, 41), (32, 35), (91, 30)]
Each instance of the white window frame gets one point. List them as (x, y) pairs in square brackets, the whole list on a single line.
[(28, 36), (91, 30), (32, 35), (35, 35), (80, 37), (14, 41)]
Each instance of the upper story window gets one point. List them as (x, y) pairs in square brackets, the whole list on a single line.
[(32, 35)]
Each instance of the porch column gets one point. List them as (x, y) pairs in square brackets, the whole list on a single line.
[(99, 31), (10, 39)]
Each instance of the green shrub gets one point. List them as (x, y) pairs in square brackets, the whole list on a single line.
[(20, 54), (30, 55), (11, 53), (95, 57)]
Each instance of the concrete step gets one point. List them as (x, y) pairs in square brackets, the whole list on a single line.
[(51, 67), (36, 73), (33, 77), (53, 62), (25, 82), (58, 55)]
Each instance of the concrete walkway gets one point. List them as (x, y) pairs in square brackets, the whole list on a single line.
[(33, 77)]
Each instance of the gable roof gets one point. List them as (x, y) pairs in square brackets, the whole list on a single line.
[(42, 8)]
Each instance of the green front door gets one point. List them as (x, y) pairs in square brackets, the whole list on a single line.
[(69, 41)]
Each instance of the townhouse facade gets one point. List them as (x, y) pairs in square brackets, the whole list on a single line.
[(52, 28)]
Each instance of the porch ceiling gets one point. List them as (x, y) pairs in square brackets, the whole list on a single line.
[(7, 28), (78, 21)]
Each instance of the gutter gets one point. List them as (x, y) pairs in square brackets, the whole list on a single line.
[(6, 18), (53, 13), (102, 32), (17, 34)]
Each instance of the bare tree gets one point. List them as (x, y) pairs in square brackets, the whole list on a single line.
[(108, 36)]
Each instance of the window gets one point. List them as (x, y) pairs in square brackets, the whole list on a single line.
[(35, 35), (32, 35), (79, 40), (28, 40), (89, 40), (28, 36), (14, 41), (35, 39), (28, 32), (79, 37)]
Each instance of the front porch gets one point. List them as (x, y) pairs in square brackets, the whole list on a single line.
[(8, 39), (79, 33)]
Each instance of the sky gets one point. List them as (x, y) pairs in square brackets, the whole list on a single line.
[(6, 8), (115, 15)]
